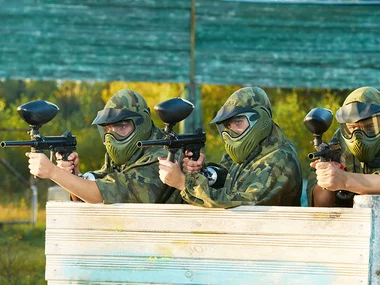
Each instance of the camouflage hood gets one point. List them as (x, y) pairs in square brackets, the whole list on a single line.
[(124, 105), (359, 120), (361, 104), (245, 100)]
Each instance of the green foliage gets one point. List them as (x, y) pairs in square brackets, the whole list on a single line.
[(289, 107), (152, 92), (10, 90), (79, 103), (22, 257)]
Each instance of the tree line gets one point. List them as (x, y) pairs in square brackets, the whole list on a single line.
[(79, 103)]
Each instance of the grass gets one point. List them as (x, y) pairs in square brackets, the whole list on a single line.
[(22, 246)]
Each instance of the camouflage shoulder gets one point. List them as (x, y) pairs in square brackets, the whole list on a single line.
[(157, 133), (151, 155)]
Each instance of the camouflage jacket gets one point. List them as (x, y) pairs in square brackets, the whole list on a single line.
[(138, 181), (352, 165), (271, 176)]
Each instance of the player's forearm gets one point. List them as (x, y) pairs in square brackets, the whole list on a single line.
[(362, 183), (323, 197), (87, 190)]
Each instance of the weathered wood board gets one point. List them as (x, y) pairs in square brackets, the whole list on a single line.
[(183, 244), (312, 44)]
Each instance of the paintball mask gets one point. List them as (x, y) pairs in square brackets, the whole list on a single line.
[(360, 123), (123, 122), (247, 106), (245, 119)]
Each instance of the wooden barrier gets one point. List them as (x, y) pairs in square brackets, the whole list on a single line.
[(372, 202), (183, 244)]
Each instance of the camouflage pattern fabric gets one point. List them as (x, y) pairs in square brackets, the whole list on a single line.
[(361, 104), (124, 104), (352, 165), (270, 176), (127, 99), (366, 95), (249, 97), (138, 181)]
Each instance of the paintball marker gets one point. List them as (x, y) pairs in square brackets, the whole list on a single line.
[(317, 121), (37, 113), (171, 112)]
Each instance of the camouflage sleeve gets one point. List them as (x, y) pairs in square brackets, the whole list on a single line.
[(311, 182), (139, 184), (105, 169), (273, 180), (226, 161), (197, 192)]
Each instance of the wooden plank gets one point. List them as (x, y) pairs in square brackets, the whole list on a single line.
[(183, 244), (318, 2), (373, 202), (323, 44), (246, 43), (96, 40)]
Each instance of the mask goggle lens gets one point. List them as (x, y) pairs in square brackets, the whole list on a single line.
[(239, 124), (370, 127), (119, 130)]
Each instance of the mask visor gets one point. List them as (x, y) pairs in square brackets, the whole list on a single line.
[(112, 115), (370, 127), (121, 131), (356, 112), (233, 126), (227, 112)]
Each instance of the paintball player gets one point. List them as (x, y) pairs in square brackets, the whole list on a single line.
[(261, 164), (359, 138), (129, 174)]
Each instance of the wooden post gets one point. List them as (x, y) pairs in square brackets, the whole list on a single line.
[(373, 202), (193, 93)]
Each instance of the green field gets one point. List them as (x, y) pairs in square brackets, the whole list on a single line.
[(22, 247)]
